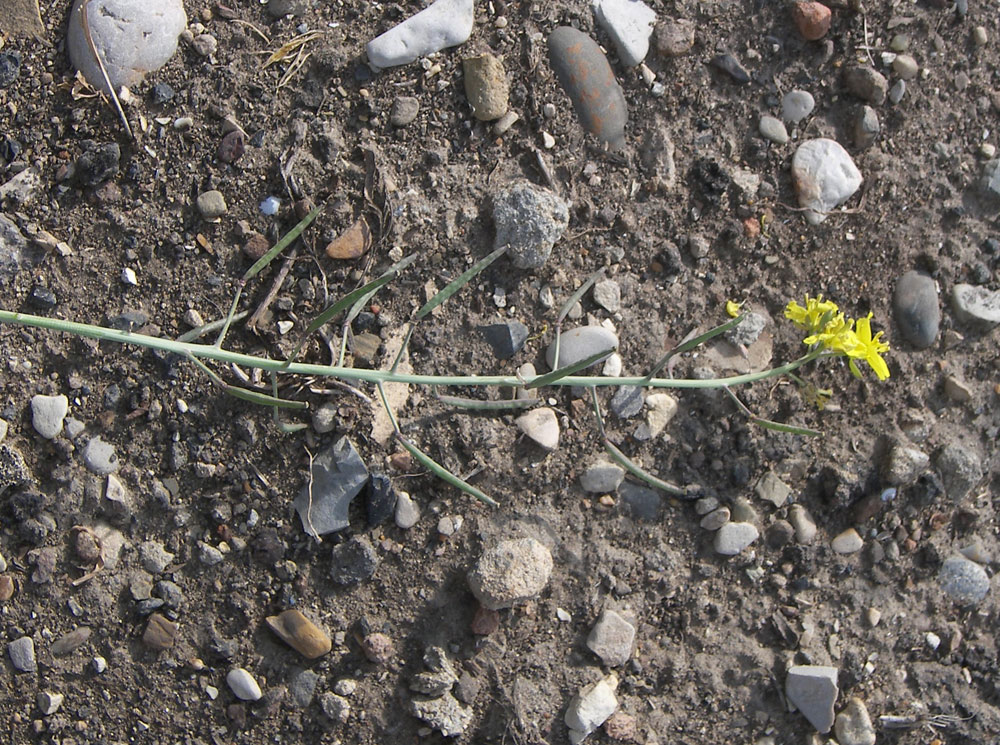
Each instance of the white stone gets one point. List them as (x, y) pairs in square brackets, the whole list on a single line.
[(591, 707), (579, 343), (805, 528), (47, 414), (732, 538), (973, 303), (824, 177), (611, 639), (407, 511), (813, 690), (629, 23), (602, 477), (443, 24), (243, 685), (128, 276), (660, 409), (612, 366), (541, 425), (133, 37), (854, 725), (49, 703), (848, 542), (608, 294), (512, 571), (796, 106)]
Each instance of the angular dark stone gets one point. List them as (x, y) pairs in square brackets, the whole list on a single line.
[(627, 401), (161, 93), (98, 163), (380, 499), (643, 503), (353, 561), (728, 64), (10, 67), (507, 339), (338, 474)]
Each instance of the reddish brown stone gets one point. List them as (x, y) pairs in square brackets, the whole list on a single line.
[(160, 633), (256, 246), (378, 648), (485, 622), (232, 147), (811, 19)]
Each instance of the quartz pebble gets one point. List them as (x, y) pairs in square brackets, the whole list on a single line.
[(733, 537), (590, 708), (915, 305), (813, 689), (824, 177), (608, 294), (964, 581), (848, 542), (796, 106), (243, 685), (529, 220), (629, 23), (133, 37), (976, 305), (585, 74), (510, 572), (48, 413), (602, 477), (611, 639), (99, 457), (541, 425), (442, 24), (301, 634), (579, 344)]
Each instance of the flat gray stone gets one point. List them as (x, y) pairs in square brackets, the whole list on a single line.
[(338, 474), (602, 477), (99, 457), (506, 339), (773, 129), (866, 127), (848, 542), (627, 401), (444, 714), (824, 177), (915, 306), (772, 489), (813, 690), (733, 537), (611, 639), (976, 304), (643, 503), (133, 37), (442, 24), (302, 687), (529, 220), (579, 343), (964, 581), (22, 654), (629, 23), (960, 468), (541, 425), (510, 572), (715, 519), (211, 204), (404, 110), (796, 106), (47, 414)]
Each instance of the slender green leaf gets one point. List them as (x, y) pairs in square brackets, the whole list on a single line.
[(286, 240), (562, 372), (789, 428), (458, 283), (692, 343), (480, 405), (263, 399), (444, 474), (649, 478), (200, 331), (575, 297)]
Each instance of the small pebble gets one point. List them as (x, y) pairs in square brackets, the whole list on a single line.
[(674, 37), (270, 206), (510, 572), (99, 457), (805, 528), (403, 111), (441, 25), (897, 91), (848, 542), (866, 127), (964, 581), (304, 636), (773, 130), (715, 519), (824, 177), (243, 685), (629, 23), (796, 106), (160, 632), (733, 537), (591, 707), (602, 477), (541, 425), (486, 86), (49, 703), (232, 147), (854, 725), (48, 413), (976, 305), (811, 19), (211, 204), (611, 639), (979, 36), (99, 664), (407, 512), (813, 690), (905, 66), (728, 64), (867, 84), (22, 654)]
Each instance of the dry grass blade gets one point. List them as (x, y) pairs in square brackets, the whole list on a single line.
[(693, 342), (562, 372), (475, 404), (293, 46), (575, 297), (85, 24)]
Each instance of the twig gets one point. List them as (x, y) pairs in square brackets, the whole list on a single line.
[(85, 24), (275, 288)]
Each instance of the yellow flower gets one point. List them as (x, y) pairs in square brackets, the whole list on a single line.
[(836, 334), (733, 308), (869, 349), (814, 316)]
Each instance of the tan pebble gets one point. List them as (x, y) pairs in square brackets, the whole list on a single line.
[(300, 633), (6, 587), (160, 632), (352, 243)]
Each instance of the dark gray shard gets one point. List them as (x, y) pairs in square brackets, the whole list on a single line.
[(643, 503), (728, 64), (380, 499), (338, 474), (627, 401), (353, 561), (507, 338)]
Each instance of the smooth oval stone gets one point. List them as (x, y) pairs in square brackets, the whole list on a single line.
[(133, 37), (796, 106), (773, 129), (68, 642), (965, 581), (243, 685), (300, 633), (580, 343), (824, 177), (585, 74), (918, 314), (442, 24)]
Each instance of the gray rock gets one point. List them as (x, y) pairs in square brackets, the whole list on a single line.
[(15, 251), (209, 555), (579, 343), (805, 527), (772, 489), (282, 8), (715, 519), (608, 294), (211, 204), (22, 654), (897, 91), (903, 464), (657, 157), (674, 37), (773, 129), (528, 219), (541, 425), (602, 477), (335, 707), (404, 110), (133, 37), (915, 306), (867, 84), (99, 457), (49, 702), (444, 714), (353, 561), (866, 127), (407, 511), (627, 401), (990, 181), (338, 474), (748, 330), (743, 511), (324, 419), (813, 689), (824, 177), (704, 505), (976, 305), (905, 66), (3, 431), (47, 414), (506, 339), (510, 572), (733, 537), (960, 468), (441, 25), (486, 86), (302, 687), (964, 581), (796, 106), (154, 557), (854, 726), (643, 503), (848, 542), (660, 409), (243, 685), (611, 639), (629, 23)]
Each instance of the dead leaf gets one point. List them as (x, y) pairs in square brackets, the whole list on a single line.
[(352, 243), (21, 18)]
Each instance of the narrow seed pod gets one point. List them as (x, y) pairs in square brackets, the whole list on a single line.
[(584, 73)]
